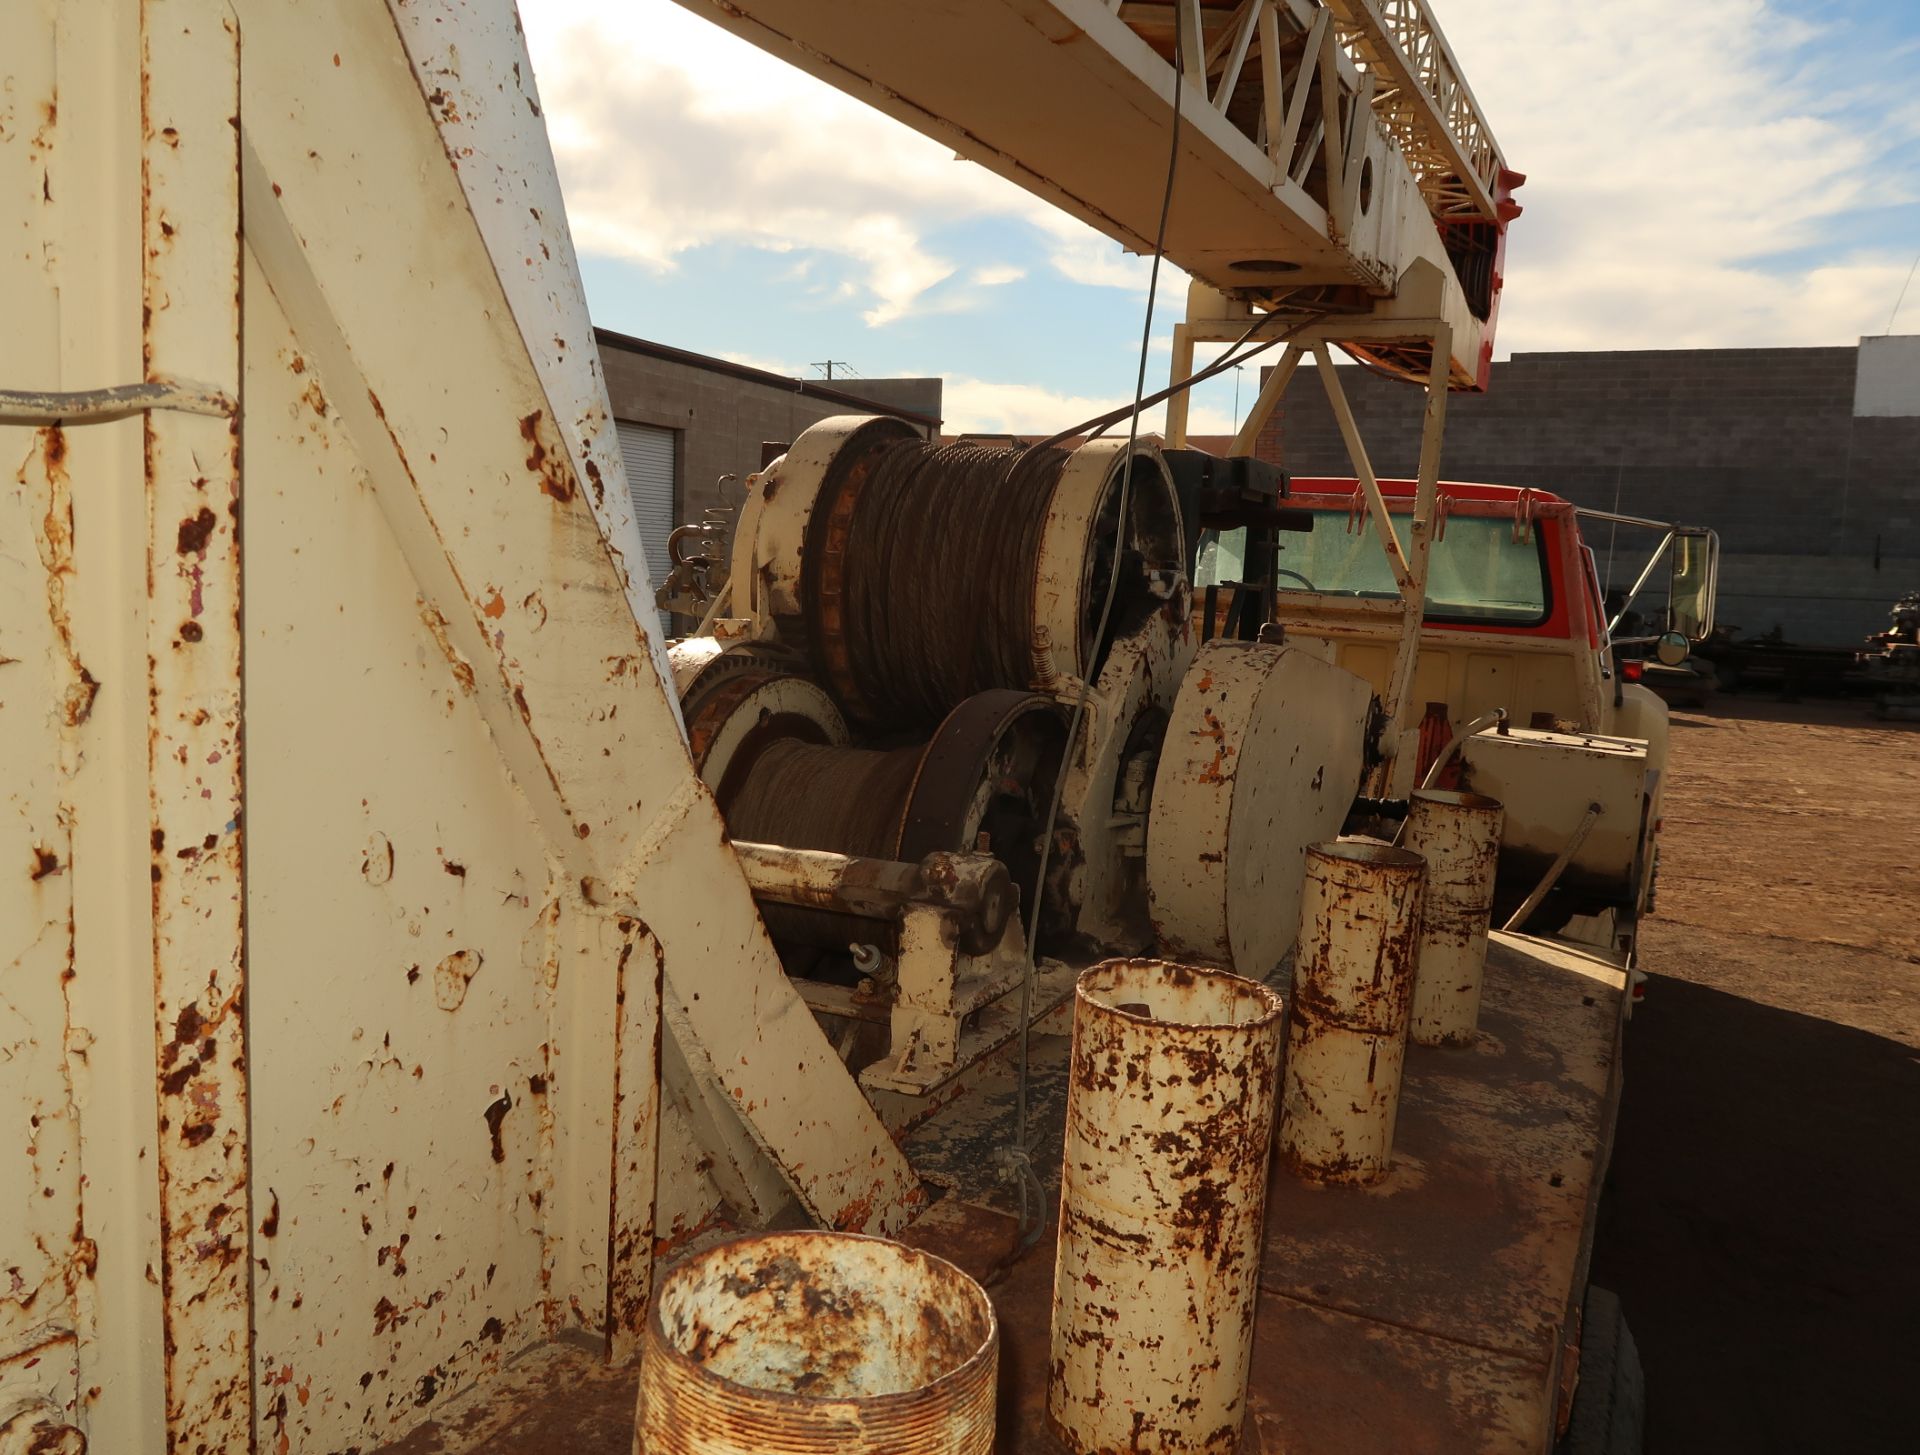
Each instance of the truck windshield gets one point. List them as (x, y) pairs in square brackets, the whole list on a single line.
[(1477, 573)]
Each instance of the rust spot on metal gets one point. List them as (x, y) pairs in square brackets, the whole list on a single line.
[(53, 451), (496, 1115), (495, 605), (191, 631), (450, 980), (627, 665), (545, 460), (45, 862), (270, 1224), (436, 625)]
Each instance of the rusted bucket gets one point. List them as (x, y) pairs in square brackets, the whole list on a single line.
[(1169, 1127), (1347, 1023), (1458, 834), (804, 1343)]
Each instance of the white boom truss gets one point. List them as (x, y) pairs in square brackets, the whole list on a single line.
[(1326, 152)]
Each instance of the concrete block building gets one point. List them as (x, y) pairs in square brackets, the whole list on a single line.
[(1806, 461)]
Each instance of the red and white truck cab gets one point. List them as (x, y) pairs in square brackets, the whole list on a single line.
[(1515, 621), (1515, 615)]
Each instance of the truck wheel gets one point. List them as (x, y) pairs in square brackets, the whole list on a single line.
[(1610, 1402)]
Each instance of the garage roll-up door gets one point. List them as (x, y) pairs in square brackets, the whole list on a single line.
[(649, 452)]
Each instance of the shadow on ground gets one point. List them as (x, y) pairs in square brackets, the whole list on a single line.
[(1760, 1227)]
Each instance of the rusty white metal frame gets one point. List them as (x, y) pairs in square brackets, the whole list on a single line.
[(640, 803), (190, 178), (394, 392)]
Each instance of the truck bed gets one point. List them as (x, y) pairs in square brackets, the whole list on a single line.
[(1438, 1311)]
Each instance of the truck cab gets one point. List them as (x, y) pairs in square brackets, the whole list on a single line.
[(1514, 610), (1515, 621)]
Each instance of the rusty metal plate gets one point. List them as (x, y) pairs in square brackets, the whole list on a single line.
[(1478, 1233), (1376, 1390), (1431, 1307)]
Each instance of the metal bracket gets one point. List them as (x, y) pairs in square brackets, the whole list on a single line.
[(103, 406)]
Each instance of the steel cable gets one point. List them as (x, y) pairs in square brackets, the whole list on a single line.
[(813, 796), (1017, 1158), (940, 552)]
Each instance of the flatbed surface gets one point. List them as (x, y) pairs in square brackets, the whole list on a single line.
[(1426, 1313)]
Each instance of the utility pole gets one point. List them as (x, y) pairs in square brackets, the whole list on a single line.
[(828, 365)]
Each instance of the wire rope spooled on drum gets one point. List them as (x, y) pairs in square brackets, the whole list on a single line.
[(848, 800), (925, 564), (933, 578)]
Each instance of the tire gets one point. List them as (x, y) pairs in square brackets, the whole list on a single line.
[(1610, 1402)]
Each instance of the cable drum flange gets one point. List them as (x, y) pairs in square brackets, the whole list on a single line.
[(736, 714), (1262, 758)]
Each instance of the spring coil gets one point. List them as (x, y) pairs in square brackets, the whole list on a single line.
[(939, 556)]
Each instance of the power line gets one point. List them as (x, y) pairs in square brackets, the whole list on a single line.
[(829, 365), (1903, 296)]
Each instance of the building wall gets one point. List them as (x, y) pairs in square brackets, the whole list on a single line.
[(1817, 506)]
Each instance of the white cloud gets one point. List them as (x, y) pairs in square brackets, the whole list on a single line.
[(985, 406), (671, 134), (997, 275), (1673, 152), (783, 367)]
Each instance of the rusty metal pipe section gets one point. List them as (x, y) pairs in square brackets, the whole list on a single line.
[(1169, 1126), (1347, 1024), (975, 890), (1458, 834), (807, 1343)]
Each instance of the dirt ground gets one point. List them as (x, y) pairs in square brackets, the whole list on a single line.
[(1762, 1221)]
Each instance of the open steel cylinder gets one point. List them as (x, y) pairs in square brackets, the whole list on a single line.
[(1458, 834), (807, 1343), (1347, 1021), (1169, 1126)]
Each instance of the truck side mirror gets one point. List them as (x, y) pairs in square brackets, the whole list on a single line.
[(1694, 582), (1672, 649)]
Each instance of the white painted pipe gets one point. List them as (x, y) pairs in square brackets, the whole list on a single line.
[(1169, 1128), (1458, 834), (1347, 1025)]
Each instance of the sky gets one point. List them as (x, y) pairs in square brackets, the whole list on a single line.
[(1722, 173)]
